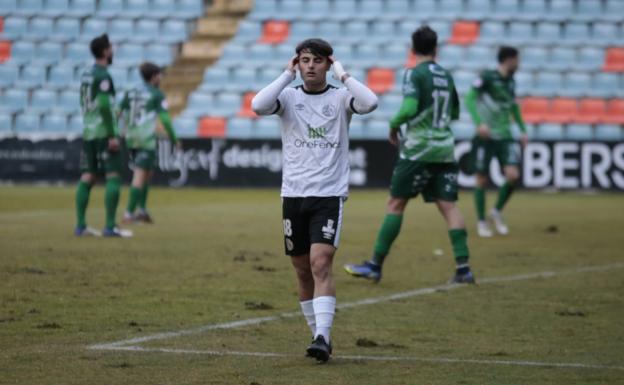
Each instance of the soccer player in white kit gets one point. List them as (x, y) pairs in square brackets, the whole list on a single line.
[(315, 175)]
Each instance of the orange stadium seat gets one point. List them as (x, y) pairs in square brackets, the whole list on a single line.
[(246, 111), (615, 112), (614, 60), (211, 127), (464, 32), (380, 80), (534, 110), (275, 32), (591, 111), (563, 110), (5, 51)]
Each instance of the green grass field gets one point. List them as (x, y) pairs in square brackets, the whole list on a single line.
[(215, 256)]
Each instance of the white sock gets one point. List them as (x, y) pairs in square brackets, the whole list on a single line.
[(324, 309), (307, 308)]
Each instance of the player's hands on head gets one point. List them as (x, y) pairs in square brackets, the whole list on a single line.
[(524, 139), (292, 64), (113, 144), (393, 137), (483, 131)]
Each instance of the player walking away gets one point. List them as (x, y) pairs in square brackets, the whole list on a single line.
[(426, 161), (143, 107), (315, 121), (100, 153), (492, 102)]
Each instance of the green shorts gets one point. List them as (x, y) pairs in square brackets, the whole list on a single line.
[(96, 159), (506, 151), (436, 181), (143, 159)]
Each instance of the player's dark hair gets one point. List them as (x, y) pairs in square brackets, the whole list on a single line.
[(149, 70), (99, 45), (506, 52), (317, 47), (424, 41)]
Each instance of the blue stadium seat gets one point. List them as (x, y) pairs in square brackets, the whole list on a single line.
[(39, 28), (264, 128), (478, 57), (614, 9), (548, 33), (382, 32), (81, 8), (532, 11), (463, 130), (22, 52), (376, 129), (505, 10), (396, 10), (520, 33), (199, 104), (576, 84), (65, 29), (68, 102), (562, 58), (120, 77), (55, 123), (393, 55), (6, 124), (605, 85), (233, 54), (146, 30), (250, 31), (173, 31), (136, 8), (7, 7), (241, 79), (121, 30), (78, 54), (449, 9), (343, 10), (190, 8), (91, 28), (356, 128), (560, 10), (579, 132), (549, 131), (32, 76), (464, 80), (9, 72), (56, 8), (605, 34), (588, 11), (355, 32), (329, 30), (225, 104), (266, 75), (263, 10), (29, 8), (476, 9), (60, 77), (443, 28), (316, 10), (239, 128), (575, 34), (369, 9), (134, 76), (609, 132), (110, 8), (261, 53), (366, 55), (589, 58), (27, 122), (14, 100), (423, 10), (491, 32), (48, 53), (160, 54), (74, 125), (129, 54), (451, 56), (14, 28), (547, 83), (524, 83)]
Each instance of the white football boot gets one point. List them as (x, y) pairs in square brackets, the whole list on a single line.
[(483, 229), (499, 223)]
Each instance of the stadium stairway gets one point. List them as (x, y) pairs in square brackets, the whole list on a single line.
[(203, 48)]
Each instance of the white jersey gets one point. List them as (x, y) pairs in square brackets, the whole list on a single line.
[(315, 141)]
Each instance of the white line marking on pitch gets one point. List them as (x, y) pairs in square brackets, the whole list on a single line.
[(119, 345), (439, 360)]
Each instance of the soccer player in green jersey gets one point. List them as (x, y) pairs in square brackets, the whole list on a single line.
[(100, 153), (492, 104), (426, 161), (143, 107)]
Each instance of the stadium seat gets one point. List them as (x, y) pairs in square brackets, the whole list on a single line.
[(396, 10), (614, 9), (74, 125), (275, 32), (32, 76), (562, 58), (560, 10), (520, 33), (81, 8), (6, 123), (55, 123), (369, 10), (27, 122), (14, 27), (245, 110), (289, 10), (261, 54), (263, 10), (614, 60), (189, 8), (343, 10), (579, 132), (548, 33), (215, 79), (478, 57), (110, 8), (48, 53), (376, 129), (393, 55), (241, 79), (129, 54), (121, 30), (173, 31), (42, 100), (185, 127), (198, 104), (548, 83), (442, 28), (534, 110), (534, 58), (14, 100), (491, 32), (464, 80), (56, 8), (382, 31), (576, 84), (29, 8), (60, 77), (9, 73), (65, 29), (563, 110), (355, 31), (532, 11), (211, 127), (250, 31), (592, 111), (549, 131), (615, 111), (91, 28), (225, 104), (5, 51), (575, 33), (264, 128), (316, 10), (39, 28), (68, 102), (241, 128), (7, 7), (524, 83), (380, 80), (605, 34), (233, 54), (450, 56), (119, 75), (609, 132), (605, 85), (77, 53), (464, 32), (145, 31), (161, 54), (136, 8), (587, 59), (505, 9)]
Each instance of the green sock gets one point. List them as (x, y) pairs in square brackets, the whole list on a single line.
[(82, 201), (135, 196), (111, 200), (479, 198), (504, 193), (143, 199), (388, 232), (460, 245)]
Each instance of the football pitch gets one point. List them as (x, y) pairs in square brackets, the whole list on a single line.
[(206, 296)]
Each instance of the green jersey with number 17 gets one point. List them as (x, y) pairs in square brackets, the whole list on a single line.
[(142, 106), (427, 137), (95, 82)]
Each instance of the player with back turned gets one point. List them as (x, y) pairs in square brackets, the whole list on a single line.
[(315, 177), (426, 163), (100, 155), (143, 107)]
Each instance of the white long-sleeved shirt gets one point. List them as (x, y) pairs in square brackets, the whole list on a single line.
[(315, 136)]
